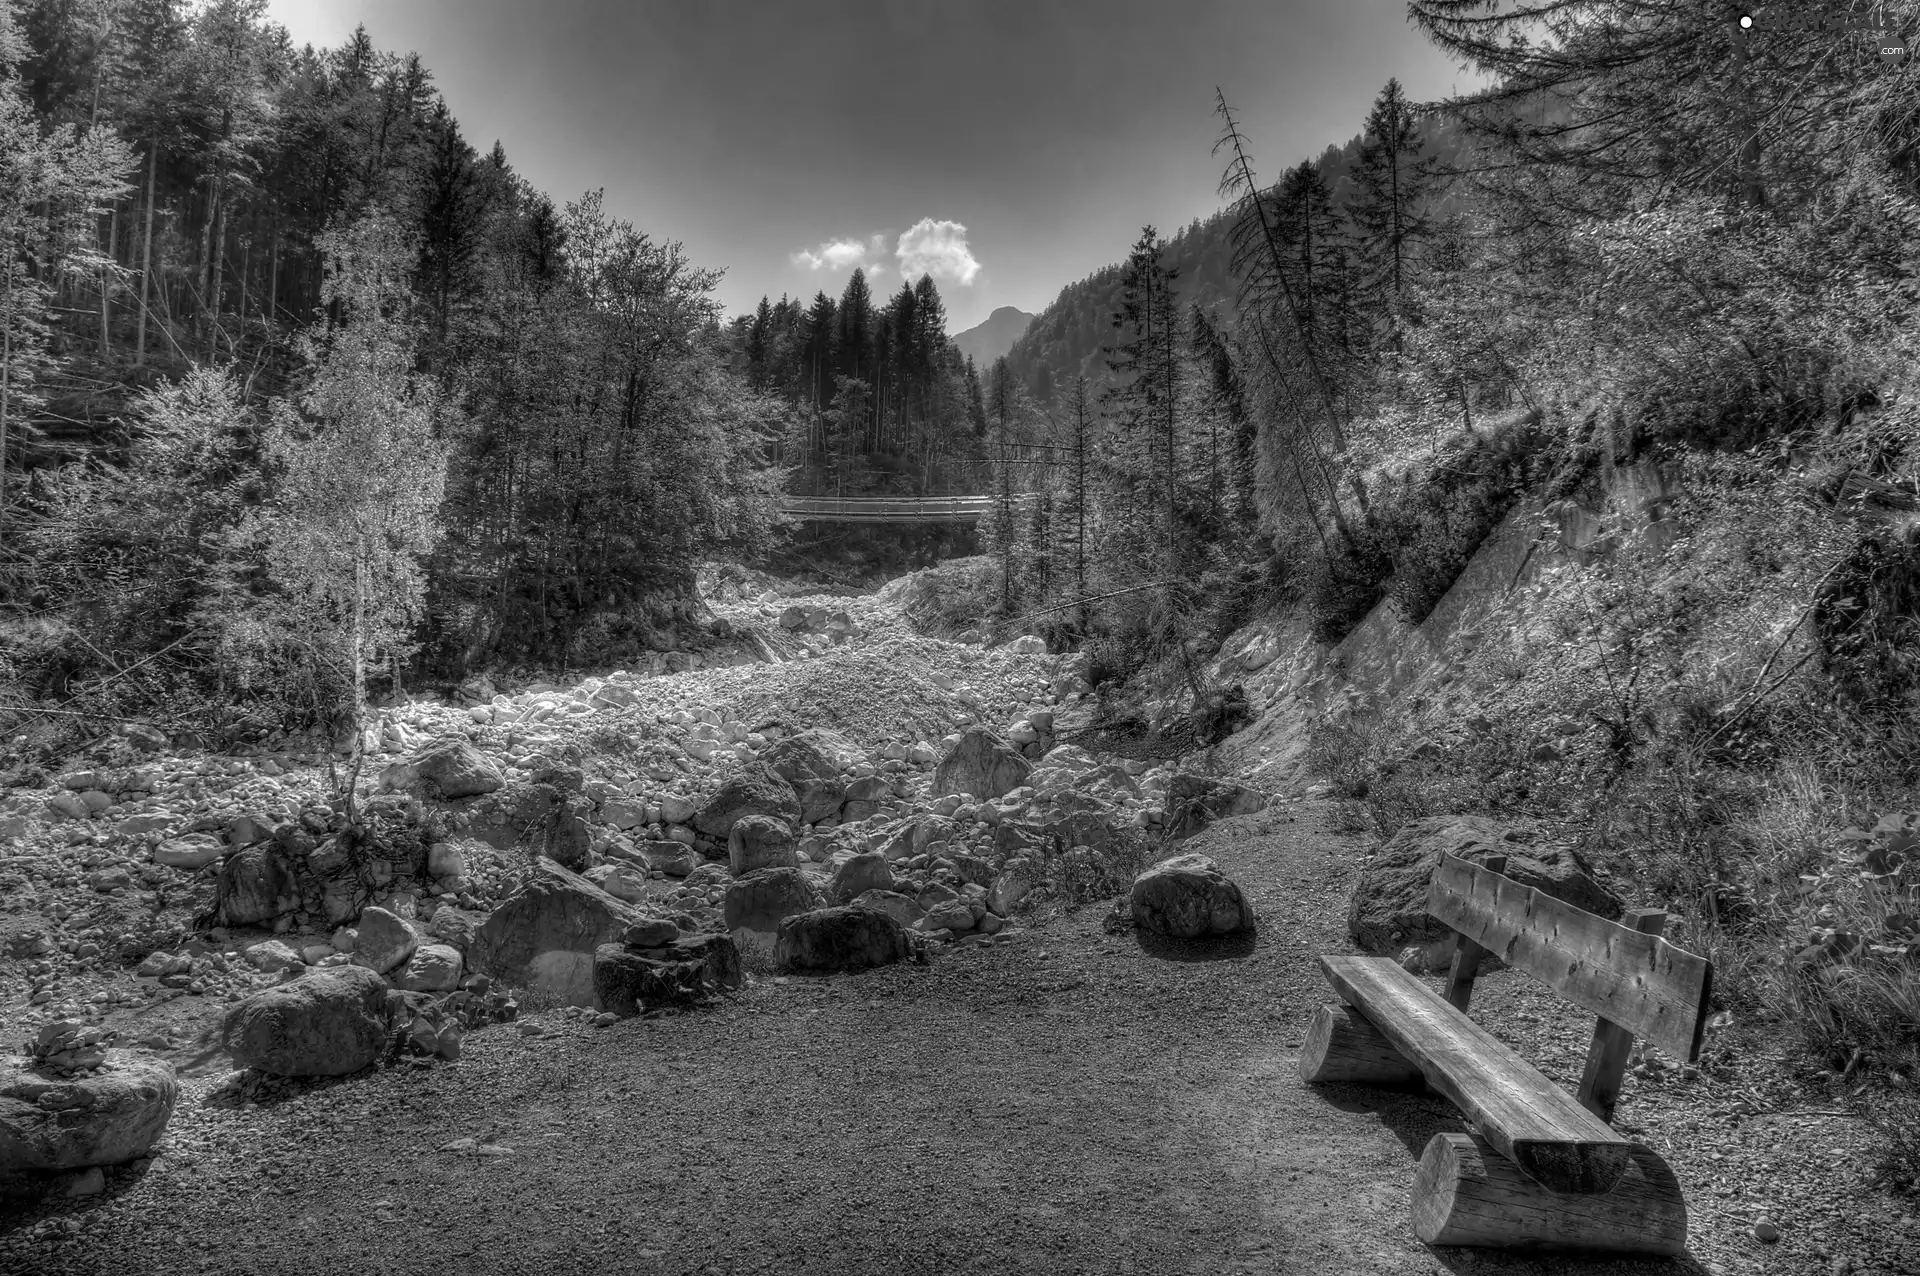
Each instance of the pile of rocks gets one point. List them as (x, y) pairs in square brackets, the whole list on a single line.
[(74, 1103), (69, 1046), (711, 819), (654, 967)]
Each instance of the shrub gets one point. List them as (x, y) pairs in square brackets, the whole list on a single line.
[(1233, 592), (1433, 522), (1853, 978), (1081, 875), (1346, 584), (1894, 1115), (1867, 622)]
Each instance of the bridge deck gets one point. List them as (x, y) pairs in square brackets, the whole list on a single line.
[(889, 509)]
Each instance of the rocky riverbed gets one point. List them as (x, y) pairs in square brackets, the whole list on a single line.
[(786, 923)]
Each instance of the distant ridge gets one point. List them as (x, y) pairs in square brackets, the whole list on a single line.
[(988, 341)]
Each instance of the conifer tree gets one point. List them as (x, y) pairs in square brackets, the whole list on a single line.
[(1314, 239), (976, 403), (1151, 355), (758, 336), (1074, 518), (1394, 178), (854, 341), (1003, 411)]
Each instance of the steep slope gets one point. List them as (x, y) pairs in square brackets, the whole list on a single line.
[(1068, 335), (985, 342)]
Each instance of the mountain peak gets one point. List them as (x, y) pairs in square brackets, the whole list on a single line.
[(987, 341)]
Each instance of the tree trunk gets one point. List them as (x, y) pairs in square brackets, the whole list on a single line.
[(106, 281), (357, 658), (218, 265), (6, 387), (146, 260), (1467, 1194)]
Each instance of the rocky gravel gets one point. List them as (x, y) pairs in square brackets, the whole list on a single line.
[(1075, 1100), (1054, 1091)]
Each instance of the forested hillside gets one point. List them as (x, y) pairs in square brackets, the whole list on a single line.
[(301, 386), (1668, 273), (1066, 338), (880, 398)]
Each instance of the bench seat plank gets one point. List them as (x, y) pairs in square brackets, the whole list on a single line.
[(1523, 1115)]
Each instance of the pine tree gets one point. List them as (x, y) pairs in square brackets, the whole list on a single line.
[(1394, 180), (976, 402), (854, 342), (1004, 410), (758, 337), (453, 210), (1147, 406), (1311, 233), (1227, 393), (1073, 519)]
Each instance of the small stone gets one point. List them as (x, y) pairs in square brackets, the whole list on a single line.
[(89, 1182), (605, 1018), (1764, 1230), (528, 1028)]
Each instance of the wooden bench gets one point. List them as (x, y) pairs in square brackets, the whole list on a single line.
[(1543, 1168)]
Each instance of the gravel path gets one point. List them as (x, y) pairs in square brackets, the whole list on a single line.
[(1070, 1102)]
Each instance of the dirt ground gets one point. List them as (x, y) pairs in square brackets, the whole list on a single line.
[(1074, 1101)]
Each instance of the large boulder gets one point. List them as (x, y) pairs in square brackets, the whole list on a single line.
[(431, 968), (904, 909), (630, 977), (1388, 911), (194, 851), (866, 871), (383, 942), (1187, 897), (255, 885), (760, 841), (111, 1116), (755, 789), (544, 935), (326, 1023), (717, 952), (846, 938), (626, 983), (622, 881), (980, 763), (451, 763), (675, 859), (1015, 881), (567, 836), (1195, 801), (762, 901), (455, 927), (812, 763)]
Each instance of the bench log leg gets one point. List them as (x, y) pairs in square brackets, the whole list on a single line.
[(1465, 1193), (1342, 1046)]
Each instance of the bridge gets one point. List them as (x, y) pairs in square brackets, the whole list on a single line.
[(888, 509)]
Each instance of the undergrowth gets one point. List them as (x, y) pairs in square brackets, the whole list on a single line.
[(1724, 711)]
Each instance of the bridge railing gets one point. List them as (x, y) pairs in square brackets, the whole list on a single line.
[(903, 508)]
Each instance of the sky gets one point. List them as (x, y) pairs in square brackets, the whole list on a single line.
[(1007, 147)]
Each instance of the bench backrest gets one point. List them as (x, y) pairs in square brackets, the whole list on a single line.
[(1636, 980)]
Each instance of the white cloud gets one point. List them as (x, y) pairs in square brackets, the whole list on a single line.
[(938, 249), (843, 254)]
